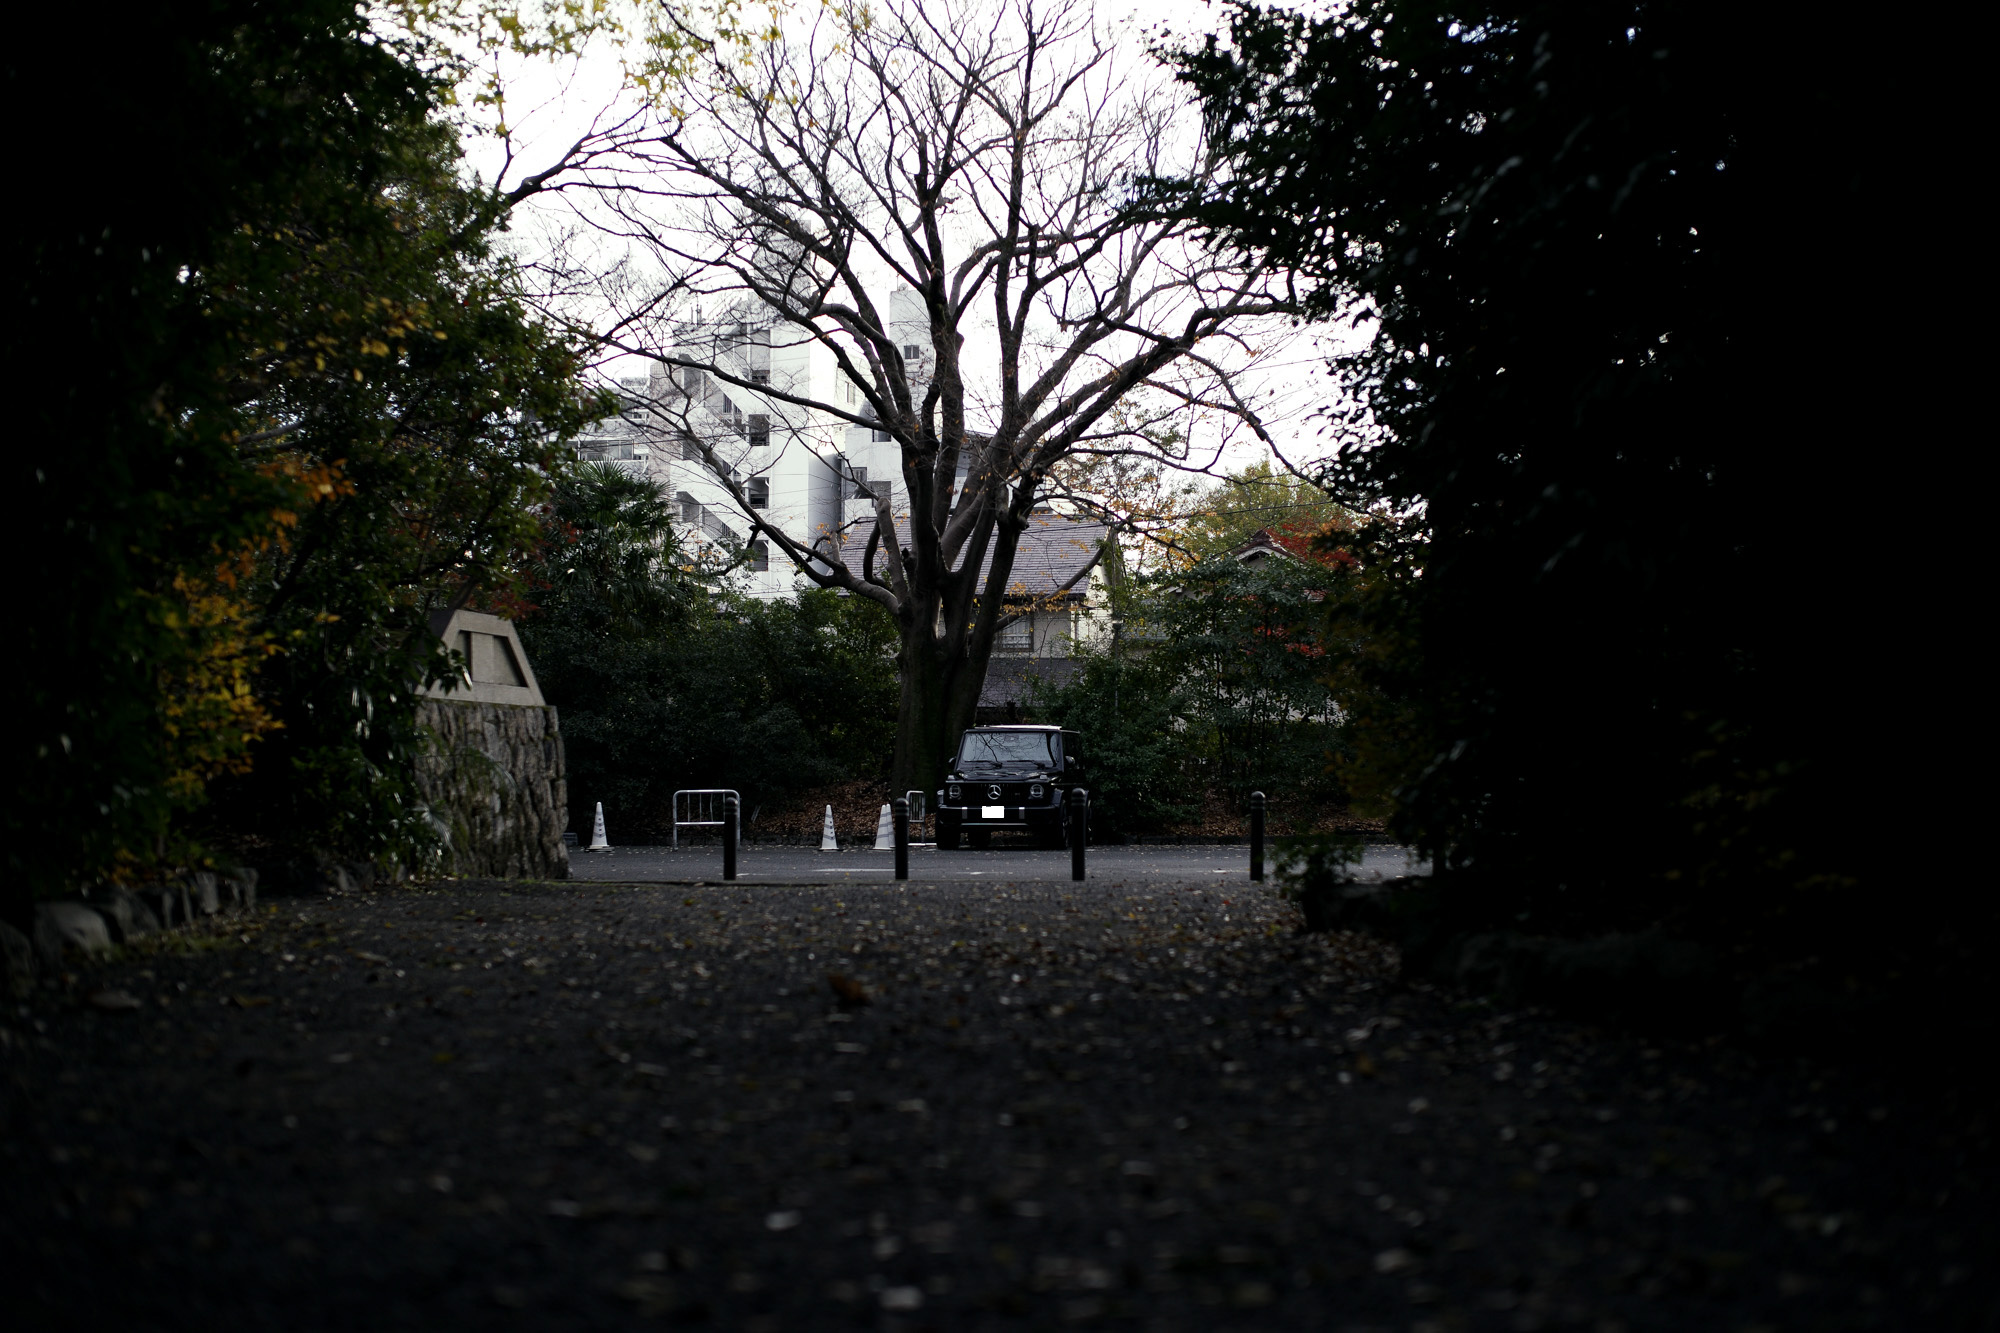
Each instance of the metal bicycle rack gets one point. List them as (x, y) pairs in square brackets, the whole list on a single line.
[(920, 833), (705, 807)]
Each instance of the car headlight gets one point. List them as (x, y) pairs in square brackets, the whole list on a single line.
[(953, 792), (1036, 791)]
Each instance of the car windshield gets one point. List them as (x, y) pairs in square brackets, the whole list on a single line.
[(1007, 749)]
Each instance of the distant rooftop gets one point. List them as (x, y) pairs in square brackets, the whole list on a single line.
[(1053, 549)]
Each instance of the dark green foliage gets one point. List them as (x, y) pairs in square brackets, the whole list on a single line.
[(283, 403), (1217, 684), (609, 565), (663, 682), (1141, 771), (754, 696), (385, 335), (1613, 389), (1259, 497), (124, 476), (1243, 645)]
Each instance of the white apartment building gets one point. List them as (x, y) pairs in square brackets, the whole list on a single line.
[(809, 474)]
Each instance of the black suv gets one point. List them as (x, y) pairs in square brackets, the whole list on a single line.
[(1009, 778)]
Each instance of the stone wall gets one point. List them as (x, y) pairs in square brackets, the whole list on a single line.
[(494, 782)]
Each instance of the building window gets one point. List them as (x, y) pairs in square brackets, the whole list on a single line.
[(910, 352), (760, 492), (861, 491), (1015, 639), (880, 436), (760, 557), (760, 430), (760, 377)]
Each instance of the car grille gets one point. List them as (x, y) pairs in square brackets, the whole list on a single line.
[(1011, 793)]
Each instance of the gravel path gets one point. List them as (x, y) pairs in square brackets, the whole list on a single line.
[(1119, 1105)]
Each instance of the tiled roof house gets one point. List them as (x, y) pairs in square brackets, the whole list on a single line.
[(1057, 608)]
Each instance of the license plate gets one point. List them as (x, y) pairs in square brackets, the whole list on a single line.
[(992, 812)]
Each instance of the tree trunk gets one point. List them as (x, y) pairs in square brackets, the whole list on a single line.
[(939, 700), (943, 672), (923, 732)]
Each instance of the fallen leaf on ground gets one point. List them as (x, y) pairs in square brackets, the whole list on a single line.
[(1395, 1261), (653, 1295)]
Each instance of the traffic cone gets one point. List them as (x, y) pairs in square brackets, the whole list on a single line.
[(826, 842), (885, 832), (597, 842)]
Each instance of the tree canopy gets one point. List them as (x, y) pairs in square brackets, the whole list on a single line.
[(666, 680), (380, 344), (1606, 407), (1257, 498), (981, 164), (285, 401), (1215, 686), (135, 493)]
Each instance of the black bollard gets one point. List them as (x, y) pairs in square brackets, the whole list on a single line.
[(900, 812), (1079, 828), (732, 816), (1257, 836)]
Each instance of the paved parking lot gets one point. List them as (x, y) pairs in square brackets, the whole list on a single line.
[(805, 865)]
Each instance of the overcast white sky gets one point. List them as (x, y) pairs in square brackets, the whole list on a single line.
[(550, 104)]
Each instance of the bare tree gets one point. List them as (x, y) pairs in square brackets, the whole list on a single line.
[(983, 160)]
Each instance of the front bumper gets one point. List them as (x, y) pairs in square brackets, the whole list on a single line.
[(1016, 816), (1011, 816)]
